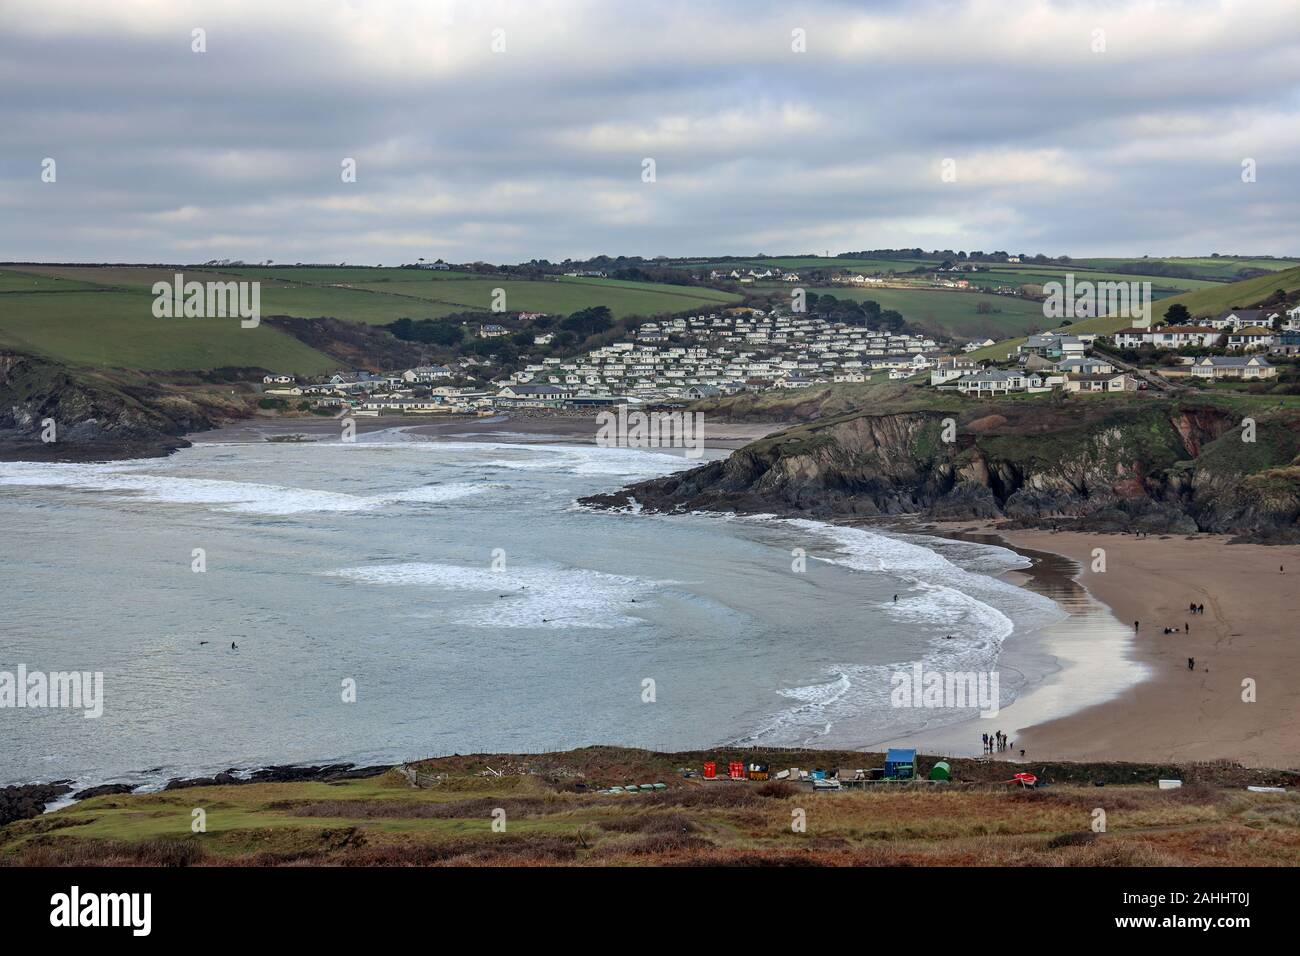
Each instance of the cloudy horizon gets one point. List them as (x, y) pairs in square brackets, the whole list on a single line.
[(505, 132)]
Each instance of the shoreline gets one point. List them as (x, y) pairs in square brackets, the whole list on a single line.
[(1174, 724), (1173, 713), (1085, 653)]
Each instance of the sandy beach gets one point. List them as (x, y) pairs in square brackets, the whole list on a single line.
[(1247, 632)]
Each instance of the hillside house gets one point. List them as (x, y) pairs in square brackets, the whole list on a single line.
[(991, 382), (1216, 367), (424, 374), (1101, 382), (1250, 338)]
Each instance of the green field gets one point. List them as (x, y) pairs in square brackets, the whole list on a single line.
[(1221, 268), (815, 262), (118, 330), (952, 312), (1015, 275), (103, 316)]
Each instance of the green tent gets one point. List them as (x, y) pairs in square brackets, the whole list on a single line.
[(941, 771)]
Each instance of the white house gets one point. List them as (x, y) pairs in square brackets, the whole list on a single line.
[(991, 382), (1102, 382), (1251, 337), (422, 374), (1233, 366)]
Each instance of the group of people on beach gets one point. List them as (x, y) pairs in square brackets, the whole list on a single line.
[(996, 742), (1195, 608)]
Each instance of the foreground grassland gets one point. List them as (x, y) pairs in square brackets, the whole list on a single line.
[(102, 316), (554, 817)]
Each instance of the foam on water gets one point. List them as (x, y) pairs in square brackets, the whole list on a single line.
[(976, 612), (126, 479), (523, 596)]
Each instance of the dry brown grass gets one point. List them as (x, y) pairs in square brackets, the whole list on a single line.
[(553, 822)]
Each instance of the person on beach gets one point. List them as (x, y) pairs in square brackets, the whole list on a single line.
[(1187, 628), (1191, 663), (985, 738), (1135, 627)]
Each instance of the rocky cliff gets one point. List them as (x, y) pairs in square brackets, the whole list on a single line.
[(1143, 463), (96, 414)]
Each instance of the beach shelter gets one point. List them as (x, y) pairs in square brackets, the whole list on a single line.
[(900, 764), (941, 771)]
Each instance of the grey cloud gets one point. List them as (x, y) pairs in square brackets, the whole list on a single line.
[(536, 152)]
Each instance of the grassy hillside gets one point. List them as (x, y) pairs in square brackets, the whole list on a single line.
[(1218, 268), (553, 816), (118, 330), (103, 316), (954, 313)]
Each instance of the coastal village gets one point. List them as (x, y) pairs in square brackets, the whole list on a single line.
[(740, 349), (685, 358)]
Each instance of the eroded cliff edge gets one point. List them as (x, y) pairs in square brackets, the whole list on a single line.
[(1156, 464)]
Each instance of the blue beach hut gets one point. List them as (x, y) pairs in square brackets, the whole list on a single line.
[(900, 764)]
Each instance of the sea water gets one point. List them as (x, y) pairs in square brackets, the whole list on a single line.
[(393, 598)]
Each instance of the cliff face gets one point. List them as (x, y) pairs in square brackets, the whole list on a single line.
[(95, 415), (1155, 465)]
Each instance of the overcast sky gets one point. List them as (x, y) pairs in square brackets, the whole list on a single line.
[(537, 150)]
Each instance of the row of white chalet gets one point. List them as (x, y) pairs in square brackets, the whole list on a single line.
[(731, 351)]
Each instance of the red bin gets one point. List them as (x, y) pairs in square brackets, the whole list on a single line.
[(710, 771)]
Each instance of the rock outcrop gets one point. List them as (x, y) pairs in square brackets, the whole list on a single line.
[(1154, 464), (94, 414)]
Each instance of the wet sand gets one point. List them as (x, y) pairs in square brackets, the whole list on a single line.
[(1247, 634), (1084, 658)]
